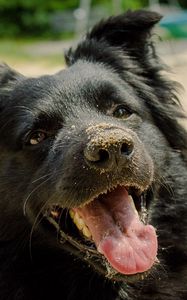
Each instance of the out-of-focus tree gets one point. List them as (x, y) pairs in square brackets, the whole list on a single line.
[(183, 3), (134, 4), (30, 17), (179, 3), (125, 4)]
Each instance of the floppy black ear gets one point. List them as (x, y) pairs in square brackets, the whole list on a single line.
[(127, 30)]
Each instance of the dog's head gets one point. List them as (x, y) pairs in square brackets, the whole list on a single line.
[(81, 149)]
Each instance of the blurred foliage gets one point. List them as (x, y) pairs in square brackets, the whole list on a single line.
[(134, 4), (30, 17), (34, 17)]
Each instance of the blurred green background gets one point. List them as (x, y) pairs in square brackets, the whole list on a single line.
[(35, 33), (57, 18)]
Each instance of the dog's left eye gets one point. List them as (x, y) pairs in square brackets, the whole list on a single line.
[(121, 112), (37, 137)]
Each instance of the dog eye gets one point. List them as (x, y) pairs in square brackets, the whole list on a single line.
[(121, 112), (37, 137)]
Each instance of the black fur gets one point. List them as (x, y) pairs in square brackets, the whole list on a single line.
[(115, 64)]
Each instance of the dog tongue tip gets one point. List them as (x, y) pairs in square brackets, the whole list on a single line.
[(130, 255)]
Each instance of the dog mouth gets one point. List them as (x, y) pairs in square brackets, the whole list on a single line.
[(111, 232)]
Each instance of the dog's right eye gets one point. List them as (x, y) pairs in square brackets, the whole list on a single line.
[(36, 137), (121, 112)]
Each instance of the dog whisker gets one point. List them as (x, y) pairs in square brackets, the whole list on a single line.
[(32, 192), (42, 177)]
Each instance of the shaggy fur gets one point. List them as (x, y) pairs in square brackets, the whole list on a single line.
[(43, 126)]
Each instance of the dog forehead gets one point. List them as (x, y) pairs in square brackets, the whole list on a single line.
[(83, 76), (69, 84), (90, 84), (82, 85)]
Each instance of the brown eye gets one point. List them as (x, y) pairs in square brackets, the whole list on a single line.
[(37, 137), (121, 112)]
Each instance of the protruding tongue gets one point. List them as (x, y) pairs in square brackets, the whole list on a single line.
[(128, 244)]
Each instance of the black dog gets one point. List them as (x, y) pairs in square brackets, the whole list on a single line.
[(95, 147)]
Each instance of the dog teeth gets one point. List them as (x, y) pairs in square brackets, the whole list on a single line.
[(133, 204), (55, 214), (72, 213), (79, 222), (86, 232)]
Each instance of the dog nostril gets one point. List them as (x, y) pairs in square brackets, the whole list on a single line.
[(127, 148), (103, 155), (96, 155)]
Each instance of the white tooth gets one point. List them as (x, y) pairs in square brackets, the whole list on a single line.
[(55, 214), (87, 232), (133, 205), (72, 213), (80, 223), (76, 218)]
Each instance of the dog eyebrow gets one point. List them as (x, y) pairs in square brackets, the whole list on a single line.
[(108, 94), (27, 119), (48, 121)]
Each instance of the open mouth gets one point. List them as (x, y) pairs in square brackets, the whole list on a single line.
[(113, 228)]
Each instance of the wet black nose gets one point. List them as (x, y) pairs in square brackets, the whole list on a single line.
[(108, 148)]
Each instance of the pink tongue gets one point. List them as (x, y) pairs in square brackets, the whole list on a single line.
[(128, 244)]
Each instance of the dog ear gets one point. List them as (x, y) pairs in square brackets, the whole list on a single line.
[(8, 80), (128, 30), (8, 76), (127, 34)]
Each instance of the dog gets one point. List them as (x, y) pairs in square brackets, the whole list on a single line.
[(93, 176)]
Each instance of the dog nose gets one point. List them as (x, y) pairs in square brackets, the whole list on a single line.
[(108, 148)]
